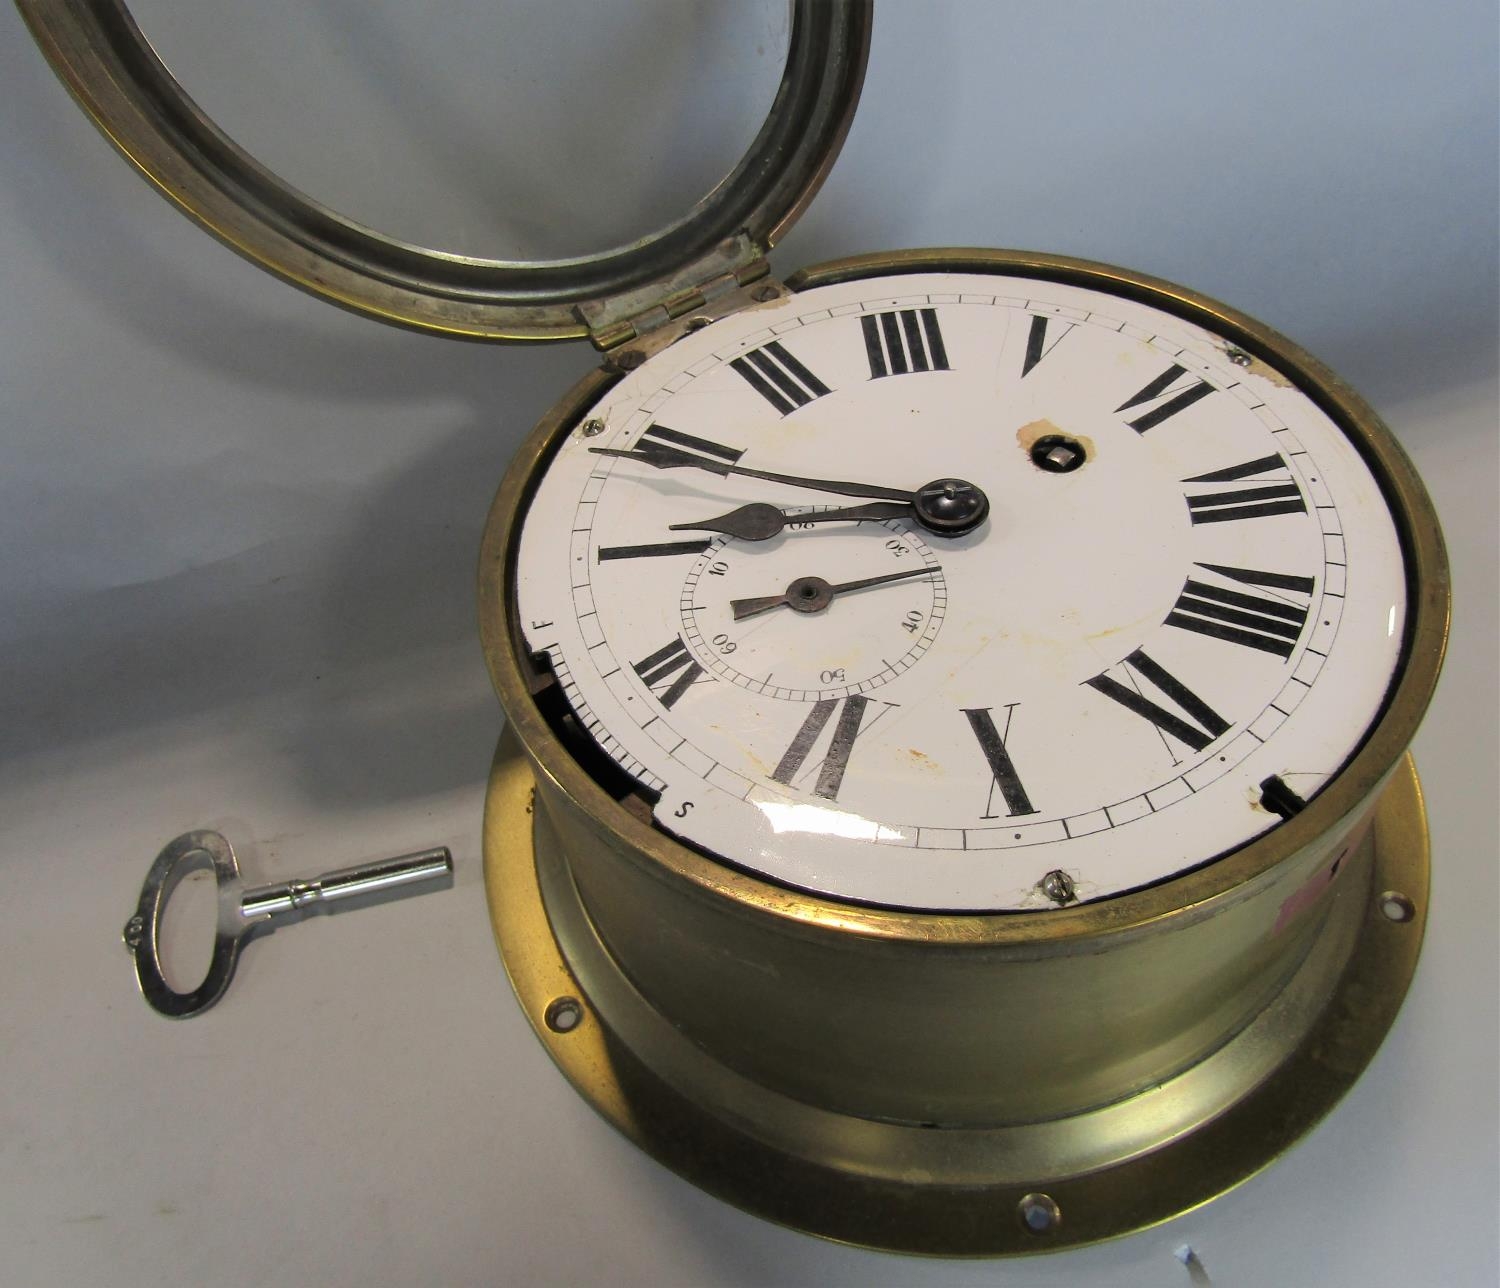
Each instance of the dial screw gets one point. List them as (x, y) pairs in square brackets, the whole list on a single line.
[(1238, 356), (764, 294), (950, 507), (593, 427), (1057, 885), (630, 359)]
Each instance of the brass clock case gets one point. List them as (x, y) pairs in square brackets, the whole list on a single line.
[(964, 1084), (914, 1081)]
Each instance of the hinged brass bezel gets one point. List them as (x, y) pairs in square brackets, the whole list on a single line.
[(97, 50)]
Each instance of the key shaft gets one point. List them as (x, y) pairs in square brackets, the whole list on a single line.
[(364, 880)]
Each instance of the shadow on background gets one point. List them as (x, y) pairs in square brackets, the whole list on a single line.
[(359, 622)]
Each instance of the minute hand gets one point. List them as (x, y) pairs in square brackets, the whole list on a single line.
[(670, 458)]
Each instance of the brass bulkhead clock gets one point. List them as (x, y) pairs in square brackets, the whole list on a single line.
[(954, 795)]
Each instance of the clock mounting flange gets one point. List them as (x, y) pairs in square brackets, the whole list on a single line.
[(850, 1179)]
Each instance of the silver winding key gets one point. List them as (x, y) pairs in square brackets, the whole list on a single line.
[(245, 913)]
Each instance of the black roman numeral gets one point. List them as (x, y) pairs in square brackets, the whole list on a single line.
[(653, 550), (1273, 492), (1209, 723), (662, 664), (779, 378), (1002, 768), (1256, 621), (900, 342), (1038, 345), (1169, 394), (831, 776), (673, 439)]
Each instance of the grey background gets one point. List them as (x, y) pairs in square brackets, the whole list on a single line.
[(240, 529)]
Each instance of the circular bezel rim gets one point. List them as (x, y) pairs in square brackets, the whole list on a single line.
[(1198, 892), (115, 76)]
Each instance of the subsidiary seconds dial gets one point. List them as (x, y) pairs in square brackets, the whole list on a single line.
[(763, 615), (913, 590)]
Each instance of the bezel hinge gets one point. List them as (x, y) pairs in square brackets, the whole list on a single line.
[(647, 320)]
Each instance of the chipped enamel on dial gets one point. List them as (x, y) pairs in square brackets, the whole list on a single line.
[(1097, 680)]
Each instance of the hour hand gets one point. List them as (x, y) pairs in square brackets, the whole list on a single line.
[(759, 521)]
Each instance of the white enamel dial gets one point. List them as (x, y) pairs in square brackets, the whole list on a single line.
[(1187, 586)]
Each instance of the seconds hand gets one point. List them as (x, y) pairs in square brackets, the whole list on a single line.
[(813, 594), (948, 507)]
